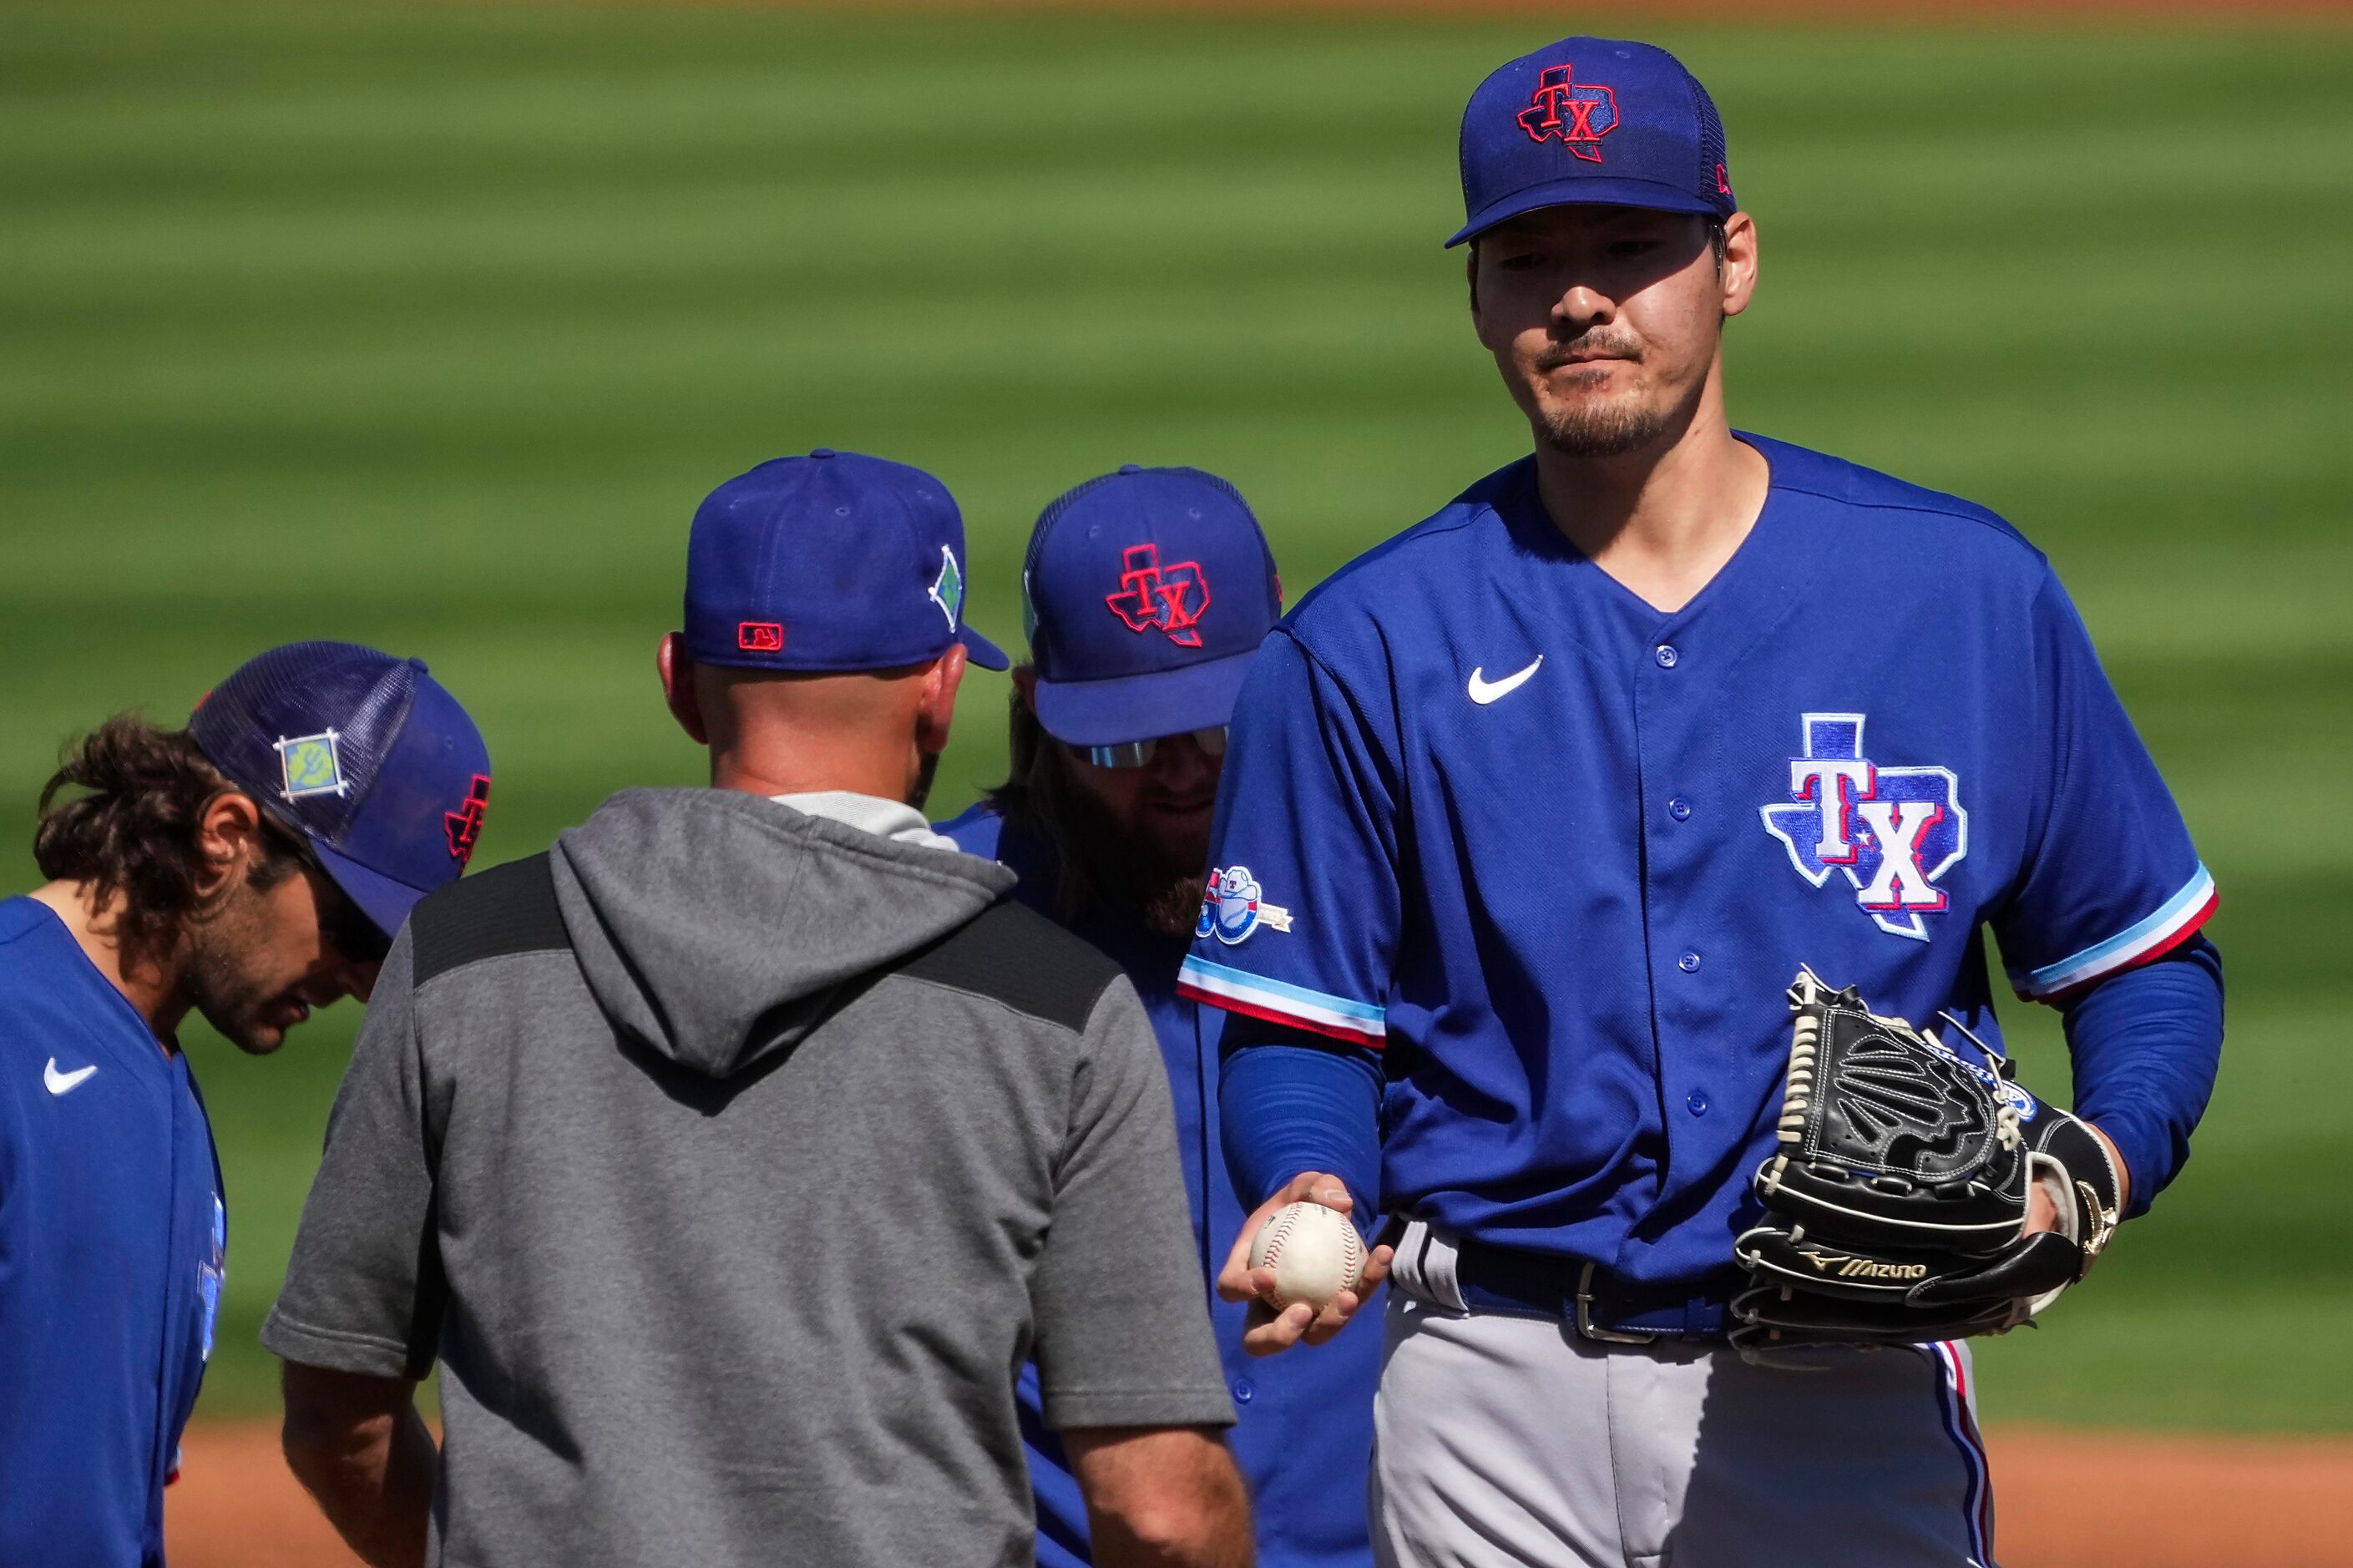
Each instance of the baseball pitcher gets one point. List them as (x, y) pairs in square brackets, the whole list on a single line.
[(1603, 869)]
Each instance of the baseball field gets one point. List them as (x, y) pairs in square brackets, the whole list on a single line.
[(428, 326)]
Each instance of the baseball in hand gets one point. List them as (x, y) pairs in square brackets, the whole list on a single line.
[(1315, 1253)]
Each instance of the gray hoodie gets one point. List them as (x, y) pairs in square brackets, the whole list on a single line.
[(731, 1161)]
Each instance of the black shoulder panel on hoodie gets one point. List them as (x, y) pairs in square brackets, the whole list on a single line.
[(506, 910), (1013, 954)]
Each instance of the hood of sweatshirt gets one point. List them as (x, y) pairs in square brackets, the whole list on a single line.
[(717, 928)]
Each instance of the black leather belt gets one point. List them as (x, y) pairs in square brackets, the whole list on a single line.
[(1602, 1305)]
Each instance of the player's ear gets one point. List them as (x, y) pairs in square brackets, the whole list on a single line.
[(1025, 685), (937, 712), (1471, 274), (676, 667), (227, 833), (1736, 275)]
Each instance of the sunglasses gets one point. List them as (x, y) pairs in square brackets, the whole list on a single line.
[(1138, 754), (345, 927), (341, 925)]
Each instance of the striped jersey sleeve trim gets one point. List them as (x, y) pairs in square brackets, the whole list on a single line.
[(1254, 996), (2174, 922)]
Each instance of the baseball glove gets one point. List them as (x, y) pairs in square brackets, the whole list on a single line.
[(1896, 1202)]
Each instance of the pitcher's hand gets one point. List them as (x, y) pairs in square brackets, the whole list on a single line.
[(1269, 1330)]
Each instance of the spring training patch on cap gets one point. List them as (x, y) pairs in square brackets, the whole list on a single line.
[(947, 590), (311, 764)]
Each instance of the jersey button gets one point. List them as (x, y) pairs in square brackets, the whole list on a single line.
[(1666, 655), (1688, 963), (1244, 1390), (1680, 809), (1697, 1101)]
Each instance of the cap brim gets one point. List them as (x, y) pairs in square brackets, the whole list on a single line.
[(1143, 707), (1587, 191), (382, 900), (981, 651)]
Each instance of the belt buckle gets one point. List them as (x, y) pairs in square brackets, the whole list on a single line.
[(1588, 1328)]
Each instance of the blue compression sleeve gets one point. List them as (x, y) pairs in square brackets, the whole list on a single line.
[(2145, 1044), (1298, 1106)]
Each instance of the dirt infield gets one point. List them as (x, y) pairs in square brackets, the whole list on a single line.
[(2067, 1500)]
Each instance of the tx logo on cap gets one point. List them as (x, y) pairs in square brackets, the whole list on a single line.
[(1171, 597), (465, 824), (1580, 115)]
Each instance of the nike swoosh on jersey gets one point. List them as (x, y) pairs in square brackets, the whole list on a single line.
[(61, 1082), (1483, 691)]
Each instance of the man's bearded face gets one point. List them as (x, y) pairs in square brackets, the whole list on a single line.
[(263, 959), (1131, 839)]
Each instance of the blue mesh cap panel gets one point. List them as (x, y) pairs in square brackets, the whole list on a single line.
[(304, 729), (1713, 168)]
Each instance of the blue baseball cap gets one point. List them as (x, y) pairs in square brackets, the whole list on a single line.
[(1144, 593), (366, 756), (832, 561), (1591, 122)]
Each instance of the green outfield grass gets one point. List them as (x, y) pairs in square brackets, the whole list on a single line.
[(429, 327)]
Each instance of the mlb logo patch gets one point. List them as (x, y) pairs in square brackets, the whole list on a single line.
[(760, 636), (311, 764)]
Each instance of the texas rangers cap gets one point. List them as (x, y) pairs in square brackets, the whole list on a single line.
[(1144, 593), (832, 561), (1591, 122), (366, 756)]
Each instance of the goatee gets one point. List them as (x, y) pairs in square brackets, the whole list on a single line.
[(1606, 430)]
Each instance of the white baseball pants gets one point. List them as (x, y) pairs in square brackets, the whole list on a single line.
[(1508, 1442)]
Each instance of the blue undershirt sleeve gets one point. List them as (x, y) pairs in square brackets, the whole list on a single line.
[(2145, 1044), (1297, 1103)]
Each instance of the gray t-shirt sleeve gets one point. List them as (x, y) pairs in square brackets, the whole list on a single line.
[(364, 1292), (1122, 1323)]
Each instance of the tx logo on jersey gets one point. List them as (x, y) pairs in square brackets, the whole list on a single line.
[(1892, 831), (1171, 597), (465, 824), (1233, 908), (1580, 114)]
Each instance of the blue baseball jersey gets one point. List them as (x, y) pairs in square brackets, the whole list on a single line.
[(1303, 1435), (1557, 854), (112, 1235)]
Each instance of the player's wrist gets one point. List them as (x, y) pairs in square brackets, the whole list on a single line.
[(2122, 1169)]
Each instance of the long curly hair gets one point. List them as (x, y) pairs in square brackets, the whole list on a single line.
[(132, 832)]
